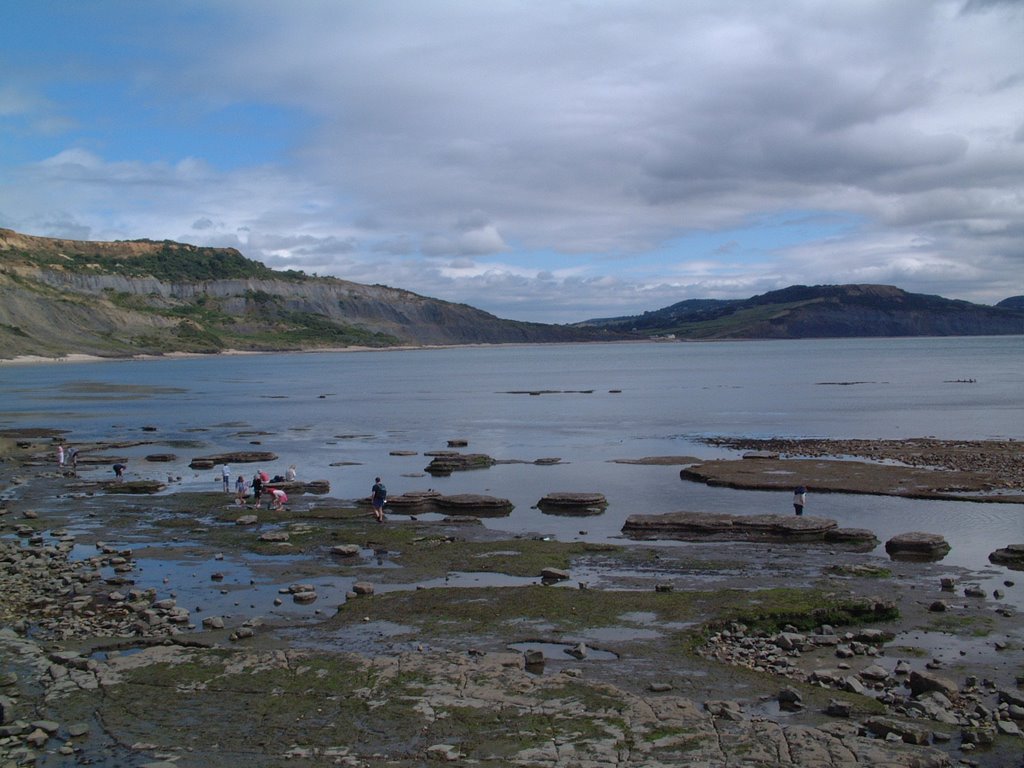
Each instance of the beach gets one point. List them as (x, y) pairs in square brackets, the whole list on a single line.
[(167, 628)]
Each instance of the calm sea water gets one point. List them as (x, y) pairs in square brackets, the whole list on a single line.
[(598, 402)]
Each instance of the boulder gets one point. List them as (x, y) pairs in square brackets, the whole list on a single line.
[(790, 700), (926, 682), (345, 550), (917, 545)]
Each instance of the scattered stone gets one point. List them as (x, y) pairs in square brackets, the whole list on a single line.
[(274, 536), (578, 651), (444, 752), (362, 588), (553, 574), (345, 550), (884, 726), (533, 657), (727, 710), (979, 736), (6, 710)]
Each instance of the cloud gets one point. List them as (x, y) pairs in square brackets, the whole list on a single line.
[(547, 158)]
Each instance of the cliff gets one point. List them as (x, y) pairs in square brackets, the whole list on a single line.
[(115, 299)]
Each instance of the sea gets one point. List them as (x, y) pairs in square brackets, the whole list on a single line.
[(347, 417)]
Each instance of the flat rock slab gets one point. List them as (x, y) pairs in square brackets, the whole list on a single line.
[(851, 536), (444, 463), (659, 461), (297, 486), (413, 500), (235, 457), (569, 503), (828, 475), (474, 504), (717, 525), (492, 686), (133, 486), (917, 545)]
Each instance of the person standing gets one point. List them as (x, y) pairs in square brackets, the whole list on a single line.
[(241, 491), (73, 457), (799, 499), (378, 496), (225, 476), (257, 489), (60, 454)]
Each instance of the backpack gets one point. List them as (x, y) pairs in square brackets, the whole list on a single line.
[(382, 492)]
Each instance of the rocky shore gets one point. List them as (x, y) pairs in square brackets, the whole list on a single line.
[(997, 462), (734, 653)]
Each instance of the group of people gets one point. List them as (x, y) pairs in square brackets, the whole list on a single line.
[(67, 457), (260, 485)]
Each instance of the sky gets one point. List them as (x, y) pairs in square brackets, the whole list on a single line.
[(543, 160)]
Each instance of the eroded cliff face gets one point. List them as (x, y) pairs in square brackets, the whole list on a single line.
[(59, 296)]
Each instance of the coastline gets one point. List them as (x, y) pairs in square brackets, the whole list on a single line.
[(84, 358)]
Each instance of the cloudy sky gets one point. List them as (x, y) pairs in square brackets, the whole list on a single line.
[(548, 160)]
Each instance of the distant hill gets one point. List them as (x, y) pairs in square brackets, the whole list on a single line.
[(116, 299), (823, 311), (1014, 302)]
